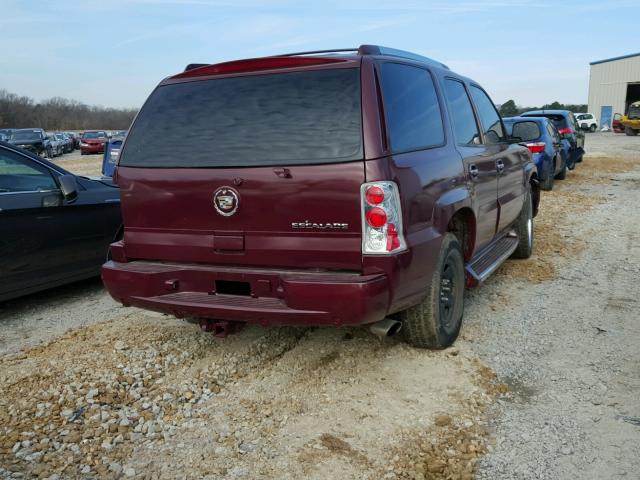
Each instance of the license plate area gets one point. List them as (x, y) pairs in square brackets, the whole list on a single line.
[(229, 287)]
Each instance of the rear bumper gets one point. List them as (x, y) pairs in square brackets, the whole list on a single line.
[(278, 297)]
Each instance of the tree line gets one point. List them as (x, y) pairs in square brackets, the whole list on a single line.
[(60, 114), (510, 109)]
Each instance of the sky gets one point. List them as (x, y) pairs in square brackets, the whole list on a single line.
[(113, 52)]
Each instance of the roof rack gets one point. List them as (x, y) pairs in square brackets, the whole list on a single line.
[(394, 52), (361, 50), (373, 50)]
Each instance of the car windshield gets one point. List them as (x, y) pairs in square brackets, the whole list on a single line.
[(94, 135), (286, 118), (26, 135), (634, 110)]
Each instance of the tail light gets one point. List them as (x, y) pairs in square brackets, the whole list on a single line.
[(537, 147), (565, 131), (381, 219)]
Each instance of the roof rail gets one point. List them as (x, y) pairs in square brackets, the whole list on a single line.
[(394, 52), (373, 50), (362, 50), (314, 52)]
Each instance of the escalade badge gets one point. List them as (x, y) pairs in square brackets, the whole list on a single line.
[(225, 200)]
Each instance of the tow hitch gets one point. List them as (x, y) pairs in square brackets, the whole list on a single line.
[(220, 328)]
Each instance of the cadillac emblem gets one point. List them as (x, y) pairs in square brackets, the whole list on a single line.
[(226, 201)]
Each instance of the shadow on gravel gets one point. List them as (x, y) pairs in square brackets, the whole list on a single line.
[(46, 298)]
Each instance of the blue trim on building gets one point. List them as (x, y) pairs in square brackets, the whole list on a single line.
[(615, 58)]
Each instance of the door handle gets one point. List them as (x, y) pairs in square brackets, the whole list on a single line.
[(473, 171), (499, 166)]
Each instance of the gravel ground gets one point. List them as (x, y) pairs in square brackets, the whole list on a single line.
[(542, 383)]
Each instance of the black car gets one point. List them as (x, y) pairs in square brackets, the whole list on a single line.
[(55, 227), (568, 129), (34, 140)]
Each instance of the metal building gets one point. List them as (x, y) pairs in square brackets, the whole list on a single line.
[(614, 83)]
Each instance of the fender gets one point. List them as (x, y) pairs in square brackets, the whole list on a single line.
[(448, 204), (531, 177)]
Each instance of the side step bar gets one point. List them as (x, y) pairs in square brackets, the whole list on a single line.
[(492, 257)]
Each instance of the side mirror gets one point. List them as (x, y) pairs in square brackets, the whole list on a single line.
[(68, 187)]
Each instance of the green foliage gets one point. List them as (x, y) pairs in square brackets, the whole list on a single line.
[(582, 108), (508, 109)]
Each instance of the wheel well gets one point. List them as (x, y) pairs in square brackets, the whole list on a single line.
[(463, 226), (535, 192)]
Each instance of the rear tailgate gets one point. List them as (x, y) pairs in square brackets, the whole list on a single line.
[(169, 214), (259, 169)]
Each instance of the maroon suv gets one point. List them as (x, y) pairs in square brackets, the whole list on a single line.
[(367, 186)]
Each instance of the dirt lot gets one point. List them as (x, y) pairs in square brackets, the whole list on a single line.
[(542, 383)]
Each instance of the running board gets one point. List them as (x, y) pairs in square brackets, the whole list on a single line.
[(491, 258)]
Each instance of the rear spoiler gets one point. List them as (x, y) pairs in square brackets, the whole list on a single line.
[(191, 66)]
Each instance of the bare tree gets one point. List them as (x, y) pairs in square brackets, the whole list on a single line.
[(60, 114)]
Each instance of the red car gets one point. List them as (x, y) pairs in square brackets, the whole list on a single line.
[(92, 141), (366, 187)]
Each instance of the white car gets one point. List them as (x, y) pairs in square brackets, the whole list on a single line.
[(587, 121)]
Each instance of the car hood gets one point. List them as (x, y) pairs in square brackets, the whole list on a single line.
[(94, 141)]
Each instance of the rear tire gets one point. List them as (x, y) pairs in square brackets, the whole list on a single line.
[(630, 131), (547, 184), (435, 322), (524, 229)]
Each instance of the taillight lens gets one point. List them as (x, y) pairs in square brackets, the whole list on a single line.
[(374, 195), (381, 219), (565, 131), (537, 147)]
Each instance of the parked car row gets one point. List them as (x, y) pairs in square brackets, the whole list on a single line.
[(54, 144), (362, 188), (554, 140)]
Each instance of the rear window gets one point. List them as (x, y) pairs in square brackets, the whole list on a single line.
[(558, 120), (279, 119), (526, 131)]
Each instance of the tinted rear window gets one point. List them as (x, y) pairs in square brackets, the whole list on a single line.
[(287, 118), (558, 120), (524, 130)]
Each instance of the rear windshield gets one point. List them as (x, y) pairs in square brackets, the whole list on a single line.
[(278, 119), (558, 120), (26, 135), (523, 130)]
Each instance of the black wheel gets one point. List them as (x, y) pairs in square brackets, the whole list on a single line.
[(630, 131), (436, 321), (547, 184), (49, 153), (524, 228), (592, 128), (562, 174)]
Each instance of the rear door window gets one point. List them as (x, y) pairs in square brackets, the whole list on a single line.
[(414, 119), (461, 112), (489, 117), (290, 118)]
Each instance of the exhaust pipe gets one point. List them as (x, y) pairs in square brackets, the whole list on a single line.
[(385, 328)]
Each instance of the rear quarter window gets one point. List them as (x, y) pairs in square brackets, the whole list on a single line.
[(414, 119)]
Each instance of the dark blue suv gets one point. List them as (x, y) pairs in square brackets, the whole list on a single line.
[(565, 122), (549, 151)]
